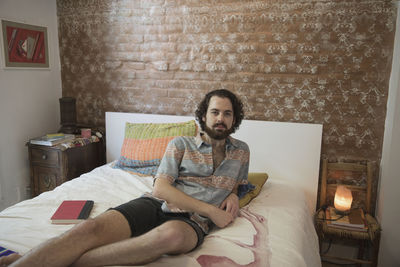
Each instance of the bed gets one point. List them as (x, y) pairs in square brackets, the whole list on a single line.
[(274, 229)]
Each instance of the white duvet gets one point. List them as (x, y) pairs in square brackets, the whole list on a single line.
[(275, 229)]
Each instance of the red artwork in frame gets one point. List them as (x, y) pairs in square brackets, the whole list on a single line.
[(24, 45)]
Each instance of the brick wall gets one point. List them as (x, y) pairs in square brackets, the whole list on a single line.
[(308, 61)]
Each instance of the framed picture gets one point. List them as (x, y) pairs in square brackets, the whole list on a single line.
[(24, 45)]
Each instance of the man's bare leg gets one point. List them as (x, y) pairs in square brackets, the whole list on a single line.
[(63, 250), (7, 260), (172, 237)]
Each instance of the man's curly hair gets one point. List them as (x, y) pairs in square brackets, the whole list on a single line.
[(237, 106)]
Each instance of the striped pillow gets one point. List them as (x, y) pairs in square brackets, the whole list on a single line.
[(145, 143)]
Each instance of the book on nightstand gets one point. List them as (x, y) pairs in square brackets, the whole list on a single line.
[(52, 139), (72, 211), (354, 221)]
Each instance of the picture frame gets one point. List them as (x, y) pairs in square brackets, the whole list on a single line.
[(24, 45)]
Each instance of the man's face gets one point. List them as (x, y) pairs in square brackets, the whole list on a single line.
[(219, 118)]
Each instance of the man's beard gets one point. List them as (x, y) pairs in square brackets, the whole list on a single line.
[(218, 135)]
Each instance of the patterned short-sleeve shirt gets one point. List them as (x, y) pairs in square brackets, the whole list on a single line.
[(188, 165)]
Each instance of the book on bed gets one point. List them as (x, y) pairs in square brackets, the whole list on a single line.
[(72, 211)]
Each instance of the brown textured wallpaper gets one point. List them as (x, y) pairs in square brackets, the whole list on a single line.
[(308, 61)]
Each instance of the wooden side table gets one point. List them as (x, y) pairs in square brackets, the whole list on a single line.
[(364, 240), (51, 166)]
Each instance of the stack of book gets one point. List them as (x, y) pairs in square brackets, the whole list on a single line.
[(52, 139), (354, 221)]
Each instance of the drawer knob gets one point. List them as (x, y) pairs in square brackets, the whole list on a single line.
[(47, 182), (44, 156)]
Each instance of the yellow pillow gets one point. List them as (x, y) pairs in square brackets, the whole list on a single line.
[(257, 179)]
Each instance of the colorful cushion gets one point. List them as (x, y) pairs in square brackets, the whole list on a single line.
[(252, 189), (145, 143)]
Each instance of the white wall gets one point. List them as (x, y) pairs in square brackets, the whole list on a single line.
[(29, 104), (388, 212)]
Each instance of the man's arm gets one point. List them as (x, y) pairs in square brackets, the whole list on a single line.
[(164, 190), (231, 202)]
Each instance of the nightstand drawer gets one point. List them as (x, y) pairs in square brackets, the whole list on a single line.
[(46, 179), (46, 157)]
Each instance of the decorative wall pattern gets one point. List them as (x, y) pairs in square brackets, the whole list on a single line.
[(308, 61)]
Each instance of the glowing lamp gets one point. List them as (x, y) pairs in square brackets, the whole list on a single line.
[(343, 199)]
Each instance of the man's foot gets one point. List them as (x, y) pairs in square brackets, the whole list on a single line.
[(7, 260)]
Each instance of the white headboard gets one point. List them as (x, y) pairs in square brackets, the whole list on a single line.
[(289, 151)]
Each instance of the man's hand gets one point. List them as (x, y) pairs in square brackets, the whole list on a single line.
[(231, 205), (220, 217)]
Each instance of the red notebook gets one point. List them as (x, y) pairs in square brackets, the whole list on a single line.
[(72, 211)]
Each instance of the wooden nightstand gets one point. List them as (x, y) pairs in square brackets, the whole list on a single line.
[(51, 166), (365, 241)]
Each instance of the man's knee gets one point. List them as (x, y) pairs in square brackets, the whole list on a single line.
[(106, 228), (172, 234), (86, 229), (178, 235)]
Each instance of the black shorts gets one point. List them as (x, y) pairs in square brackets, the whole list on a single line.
[(144, 214)]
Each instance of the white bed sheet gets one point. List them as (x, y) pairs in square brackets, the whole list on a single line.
[(275, 229)]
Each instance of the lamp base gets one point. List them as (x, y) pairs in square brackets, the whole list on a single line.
[(68, 129), (343, 213)]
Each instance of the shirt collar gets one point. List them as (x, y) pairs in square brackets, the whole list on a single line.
[(199, 140), (230, 141)]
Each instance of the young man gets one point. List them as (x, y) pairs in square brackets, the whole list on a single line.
[(194, 189)]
